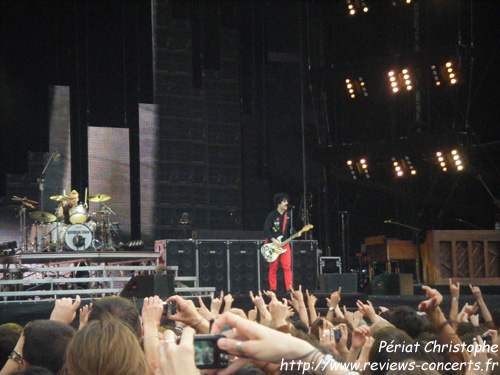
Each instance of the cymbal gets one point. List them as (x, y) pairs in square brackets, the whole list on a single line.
[(58, 197), (99, 198), (45, 217), (24, 200)]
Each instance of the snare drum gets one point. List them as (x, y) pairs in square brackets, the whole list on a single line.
[(78, 237), (78, 214)]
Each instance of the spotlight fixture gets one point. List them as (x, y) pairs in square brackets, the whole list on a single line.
[(355, 87), (354, 5), (403, 166), (360, 170), (445, 73), (447, 159), (402, 79)]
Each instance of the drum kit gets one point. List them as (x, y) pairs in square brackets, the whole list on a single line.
[(85, 231)]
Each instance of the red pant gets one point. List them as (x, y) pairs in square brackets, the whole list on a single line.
[(286, 263)]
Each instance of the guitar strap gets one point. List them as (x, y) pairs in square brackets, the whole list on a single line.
[(284, 223)]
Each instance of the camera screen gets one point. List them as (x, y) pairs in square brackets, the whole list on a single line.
[(204, 353)]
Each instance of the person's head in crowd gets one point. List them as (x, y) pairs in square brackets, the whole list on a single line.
[(380, 354), (9, 334), (337, 320), (299, 325), (45, 343), (466, 328), (33, 370), (408, 320), (317, 328), (495, 315), (105, 347), (119, 307)]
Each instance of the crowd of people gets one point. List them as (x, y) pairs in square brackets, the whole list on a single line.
[(114, 337)]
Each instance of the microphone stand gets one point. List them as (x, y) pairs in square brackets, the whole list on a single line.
[(41, 179), (416, 235)]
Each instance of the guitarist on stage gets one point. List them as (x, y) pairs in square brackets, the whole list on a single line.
[(278, 224)]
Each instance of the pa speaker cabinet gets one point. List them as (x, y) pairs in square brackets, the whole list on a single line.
[(149, 285), (393, 284), (305, 264), (182, 253), (330, 282), (244, 269), (213, 264)]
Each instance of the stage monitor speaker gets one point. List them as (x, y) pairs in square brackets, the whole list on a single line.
[(181, 253), (149, 285), (393, 284), (330, 282), (213, 260), (244, 267), (305, 264)]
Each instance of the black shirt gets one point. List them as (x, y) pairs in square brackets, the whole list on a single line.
[(273, 226)]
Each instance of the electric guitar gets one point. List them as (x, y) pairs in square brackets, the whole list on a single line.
[(271, 252)]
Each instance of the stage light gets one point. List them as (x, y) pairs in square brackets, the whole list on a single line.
[(356, 86), (403, 78), (452, 158), (403, 166)]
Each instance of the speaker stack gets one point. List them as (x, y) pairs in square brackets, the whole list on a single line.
[(305, 264), (213, 264), (244, 266), (237, 266)]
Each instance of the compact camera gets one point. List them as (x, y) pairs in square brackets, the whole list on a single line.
[(169, 308), (207, 355)]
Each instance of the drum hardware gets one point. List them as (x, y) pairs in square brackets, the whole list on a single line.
[(23, 233), (107, 227), (54, 156)]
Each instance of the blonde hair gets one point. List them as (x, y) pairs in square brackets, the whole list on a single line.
[(105, 347)]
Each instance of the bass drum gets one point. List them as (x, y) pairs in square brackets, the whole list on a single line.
[(78, 237)]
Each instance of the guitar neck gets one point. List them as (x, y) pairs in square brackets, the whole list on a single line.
[(289, 239)]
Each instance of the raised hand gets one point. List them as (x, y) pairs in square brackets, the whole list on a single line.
[(228, 302), (84, 315), (203, 310), (334, 299), (367, 310), (454, 289), (65, 309), (216, 304)]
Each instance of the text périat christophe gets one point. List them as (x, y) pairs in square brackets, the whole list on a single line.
[(435, 347)]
